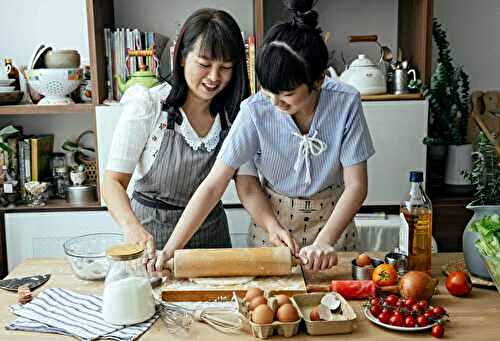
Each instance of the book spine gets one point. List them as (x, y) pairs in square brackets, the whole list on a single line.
[(22, 173), (27, 159), (34, 159)]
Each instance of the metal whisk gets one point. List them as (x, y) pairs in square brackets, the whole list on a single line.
[(225, 320)]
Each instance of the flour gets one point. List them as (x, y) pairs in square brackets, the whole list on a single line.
[(222, 281), (128, 301)]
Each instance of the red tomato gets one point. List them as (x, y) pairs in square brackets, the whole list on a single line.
[(416, 308), (396, 320), (384, 274), (375, 310), (438, 311), (423, 304), (422, 321), (384, 316), (409, 302), (458, 283), (429, 314), (391, 300), (375, 301), (410, 322), (438, 331)]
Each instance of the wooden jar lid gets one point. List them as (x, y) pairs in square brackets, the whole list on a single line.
[(124, 251)]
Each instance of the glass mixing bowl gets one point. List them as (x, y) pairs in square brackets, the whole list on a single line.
[(87, 254)]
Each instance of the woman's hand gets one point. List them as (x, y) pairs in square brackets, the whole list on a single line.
[(158, 265), (137, 234), (281, 237), (318, 256)]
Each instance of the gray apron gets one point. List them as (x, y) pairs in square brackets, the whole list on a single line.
[(162, 194)]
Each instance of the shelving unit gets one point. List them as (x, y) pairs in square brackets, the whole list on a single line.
[(56, 206), (30, 109)]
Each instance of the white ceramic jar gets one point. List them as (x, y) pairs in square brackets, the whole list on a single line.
[(128, 295)]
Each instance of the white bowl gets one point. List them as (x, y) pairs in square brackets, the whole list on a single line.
[(55, 84)]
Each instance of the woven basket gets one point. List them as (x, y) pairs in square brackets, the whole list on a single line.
[(90, 164)]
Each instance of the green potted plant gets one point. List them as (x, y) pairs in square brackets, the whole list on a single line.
[(449, 96), (485, 179)]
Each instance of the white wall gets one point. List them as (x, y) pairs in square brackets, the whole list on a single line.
[(473, 29), (26, 23)]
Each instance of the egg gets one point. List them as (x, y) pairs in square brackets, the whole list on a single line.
[(314, 315), (363, 260), (256, 301), (251, 293), (282, 299), (287, 313), (262, 314)]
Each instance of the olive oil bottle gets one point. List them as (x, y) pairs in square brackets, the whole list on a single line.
[(415, 238)]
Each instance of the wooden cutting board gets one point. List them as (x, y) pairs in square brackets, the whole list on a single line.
[(184, 290)]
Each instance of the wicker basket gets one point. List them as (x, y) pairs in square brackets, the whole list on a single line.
[(90, 164)]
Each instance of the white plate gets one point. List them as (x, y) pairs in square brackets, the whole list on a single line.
[(6, 82), (375, 320)]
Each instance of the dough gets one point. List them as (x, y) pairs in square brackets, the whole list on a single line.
[(222, 281)]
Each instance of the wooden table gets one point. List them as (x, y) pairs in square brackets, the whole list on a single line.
[(474, 318)]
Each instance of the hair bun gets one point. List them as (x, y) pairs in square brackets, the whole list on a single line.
[(303, 15)]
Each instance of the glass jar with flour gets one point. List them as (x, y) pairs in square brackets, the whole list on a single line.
[(128, 296)]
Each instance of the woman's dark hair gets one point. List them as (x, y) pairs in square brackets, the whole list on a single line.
[(221, 39), (293, 53)]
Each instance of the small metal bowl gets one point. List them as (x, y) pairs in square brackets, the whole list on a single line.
[(399, 261), (364, 272)]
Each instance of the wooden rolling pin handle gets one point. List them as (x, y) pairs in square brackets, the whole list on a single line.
[(367, 38), (170, 265)]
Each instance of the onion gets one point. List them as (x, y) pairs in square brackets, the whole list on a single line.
[(418, 285)]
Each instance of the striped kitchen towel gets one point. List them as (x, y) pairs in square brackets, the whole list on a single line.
[(66, 312)]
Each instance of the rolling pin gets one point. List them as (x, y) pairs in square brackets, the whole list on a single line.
[(261, 261)]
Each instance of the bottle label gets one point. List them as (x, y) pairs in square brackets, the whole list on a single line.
[(404, 235)]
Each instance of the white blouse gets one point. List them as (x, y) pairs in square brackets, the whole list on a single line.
[(140, 130)]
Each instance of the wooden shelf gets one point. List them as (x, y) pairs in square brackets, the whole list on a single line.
[(392, 97), (54, 206), (33, 109)]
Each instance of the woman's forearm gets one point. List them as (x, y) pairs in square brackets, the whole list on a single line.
[(255, 201), (118, 202)]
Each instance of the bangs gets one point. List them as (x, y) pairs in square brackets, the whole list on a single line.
[(217, 42), (279, 70)]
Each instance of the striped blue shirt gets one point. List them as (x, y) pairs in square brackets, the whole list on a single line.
[(265, 136)]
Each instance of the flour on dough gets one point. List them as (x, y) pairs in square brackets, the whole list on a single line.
[(222, 281)]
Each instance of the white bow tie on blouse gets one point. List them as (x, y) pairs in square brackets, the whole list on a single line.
[(308, 145)]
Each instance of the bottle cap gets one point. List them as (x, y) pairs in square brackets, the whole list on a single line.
[(416, 176), (124, 251)]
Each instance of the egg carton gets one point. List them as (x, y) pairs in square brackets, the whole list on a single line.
[(264, 331)]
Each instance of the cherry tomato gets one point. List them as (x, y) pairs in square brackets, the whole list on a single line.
[(422, 321), (396, 320), (409, 302), (429, 314), (416, 308), (375, 310), (375, 301), (410, 321), (384, 316), (458, 283), (391, 300), (423, 304), (438, 311), (438, 331)]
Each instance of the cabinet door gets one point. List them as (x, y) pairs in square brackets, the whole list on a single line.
[(397, 129), (43, 234)]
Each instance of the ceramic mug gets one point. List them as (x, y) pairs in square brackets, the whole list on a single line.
[(4, 72)]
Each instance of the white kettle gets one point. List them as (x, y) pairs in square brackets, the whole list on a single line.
[(365, 76)]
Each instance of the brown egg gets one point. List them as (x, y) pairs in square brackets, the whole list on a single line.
[(262, 314), (251, 293), (314, 315), (287, 313), (256, 301), (363, 260), (282, 299)]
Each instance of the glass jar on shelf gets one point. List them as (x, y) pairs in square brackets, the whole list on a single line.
[(128, 296), (61, 181)]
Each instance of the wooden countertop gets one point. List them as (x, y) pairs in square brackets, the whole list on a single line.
[(473, 318)]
